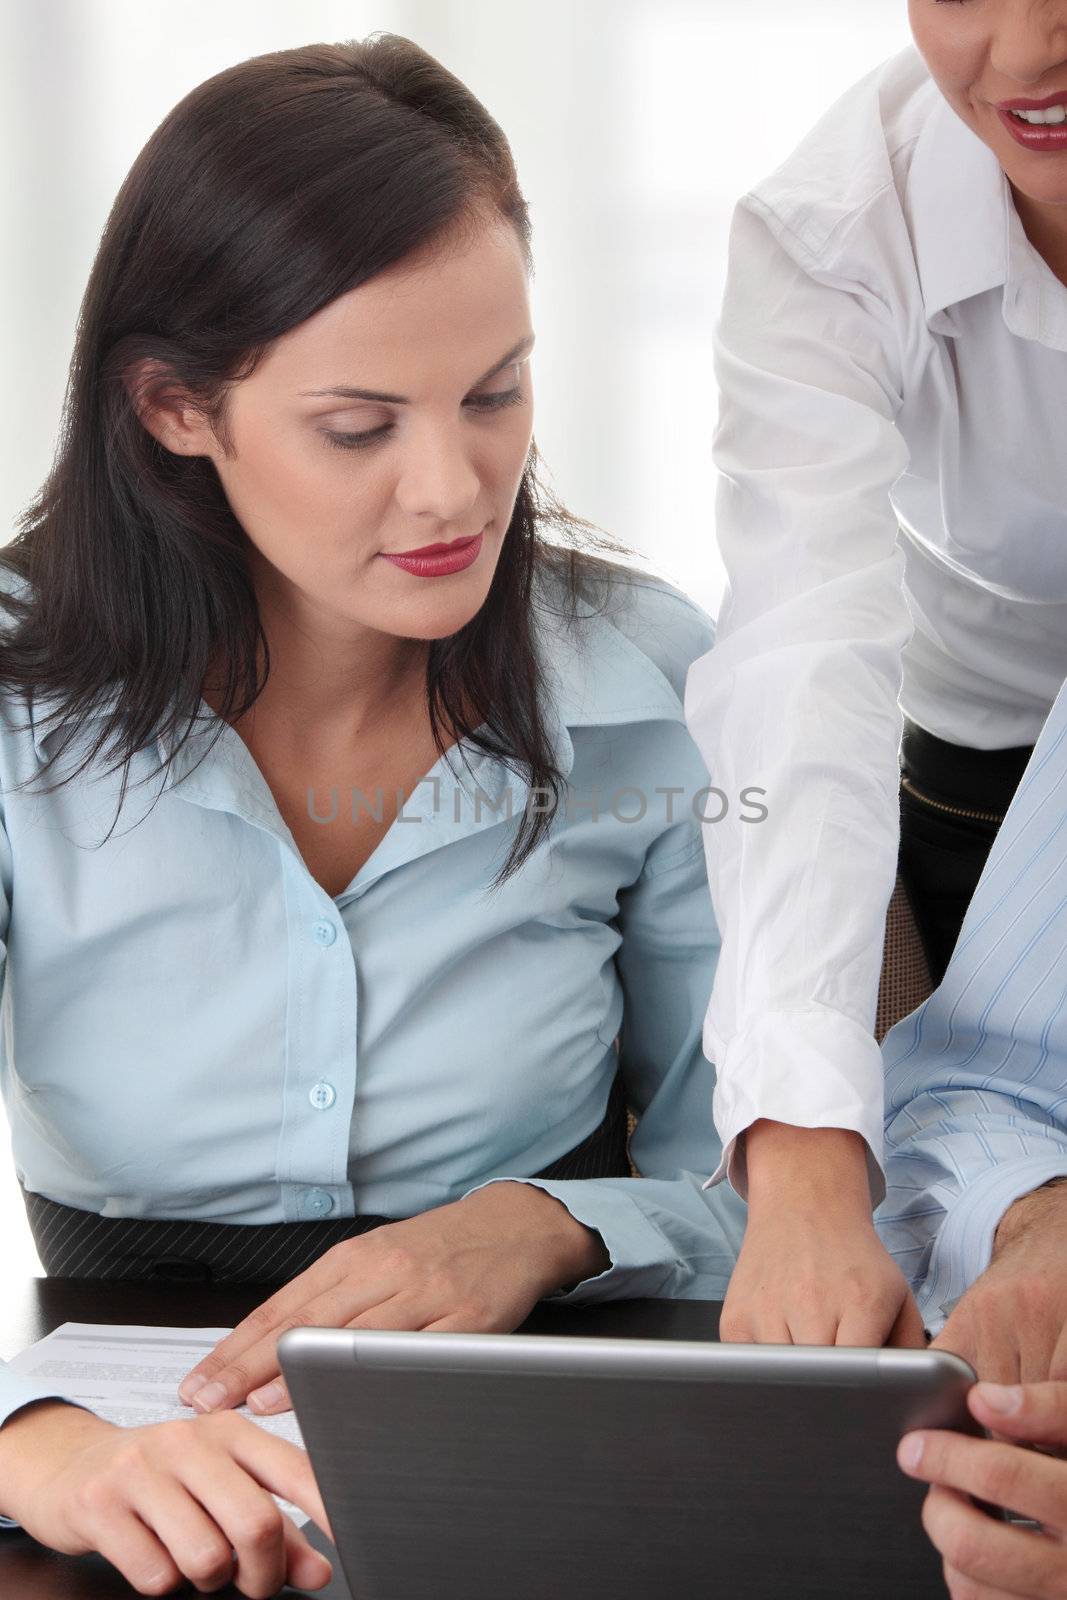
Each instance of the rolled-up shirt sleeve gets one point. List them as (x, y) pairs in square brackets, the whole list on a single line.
[(796, 708)]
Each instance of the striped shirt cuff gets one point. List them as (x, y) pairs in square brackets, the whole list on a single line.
[(964, 1242)]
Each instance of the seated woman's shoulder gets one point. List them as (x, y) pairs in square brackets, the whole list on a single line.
[(16, 593), (655, 616), (12, 580)]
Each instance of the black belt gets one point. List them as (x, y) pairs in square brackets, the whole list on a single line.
[(954, 778), (82, 1244)]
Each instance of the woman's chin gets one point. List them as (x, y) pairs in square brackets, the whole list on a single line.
[(441, 626), (434, 616)]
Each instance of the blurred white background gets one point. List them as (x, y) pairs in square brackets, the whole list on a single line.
[(635, 125)]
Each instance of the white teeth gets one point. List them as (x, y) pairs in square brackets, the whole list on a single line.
[(1050, 117)]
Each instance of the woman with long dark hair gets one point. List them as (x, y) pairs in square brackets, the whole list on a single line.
[(351, 855)]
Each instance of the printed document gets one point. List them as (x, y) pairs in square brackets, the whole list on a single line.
[(130, 1375)]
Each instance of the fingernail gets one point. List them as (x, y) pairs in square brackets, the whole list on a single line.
[(191, 1385), (211, 1395), (910, 1450), (271, 1394), (1003, 1398)]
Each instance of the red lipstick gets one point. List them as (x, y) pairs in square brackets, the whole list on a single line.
[(1044, 136), (438, 560), (1059, 98)]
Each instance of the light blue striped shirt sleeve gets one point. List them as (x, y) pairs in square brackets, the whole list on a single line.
[(976, 1078)]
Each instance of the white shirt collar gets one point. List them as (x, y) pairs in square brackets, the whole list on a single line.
[(959, 198), (969, 237)]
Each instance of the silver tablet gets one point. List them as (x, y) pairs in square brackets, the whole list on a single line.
[(511, 1467)]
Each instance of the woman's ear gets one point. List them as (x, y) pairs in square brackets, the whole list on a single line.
[(167, 411)]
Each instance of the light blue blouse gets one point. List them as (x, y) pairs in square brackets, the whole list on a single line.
[(194, 1028)]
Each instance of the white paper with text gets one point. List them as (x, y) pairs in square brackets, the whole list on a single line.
[(129, 1375)]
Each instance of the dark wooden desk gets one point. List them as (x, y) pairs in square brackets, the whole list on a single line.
[(28, 1311)]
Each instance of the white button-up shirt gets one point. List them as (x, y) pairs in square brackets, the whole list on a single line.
[(892, 512)]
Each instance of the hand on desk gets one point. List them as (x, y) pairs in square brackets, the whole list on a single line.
[(985, 1559), (812, 1269), (479, 1265), (167, 1502), (1011, 1325)]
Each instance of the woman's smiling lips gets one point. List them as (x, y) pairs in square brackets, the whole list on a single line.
[(1040, 135), (438, 560)]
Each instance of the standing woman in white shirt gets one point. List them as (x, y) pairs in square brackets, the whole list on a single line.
[(892, 512)]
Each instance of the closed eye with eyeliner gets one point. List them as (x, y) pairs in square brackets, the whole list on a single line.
[(483, 404)]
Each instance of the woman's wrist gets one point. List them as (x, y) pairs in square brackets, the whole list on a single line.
[(566, 1251), (802, 1168), (582, 1253), (26, 1442)]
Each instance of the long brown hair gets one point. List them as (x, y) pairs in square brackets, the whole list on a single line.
[(271, 189)]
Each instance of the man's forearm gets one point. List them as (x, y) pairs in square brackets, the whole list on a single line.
[(1040, 1207)]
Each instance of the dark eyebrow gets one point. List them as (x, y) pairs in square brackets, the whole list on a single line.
[(343, 391)]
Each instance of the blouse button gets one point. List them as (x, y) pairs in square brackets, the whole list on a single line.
[(322, 1095), (317, 1203), (323, 933)]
